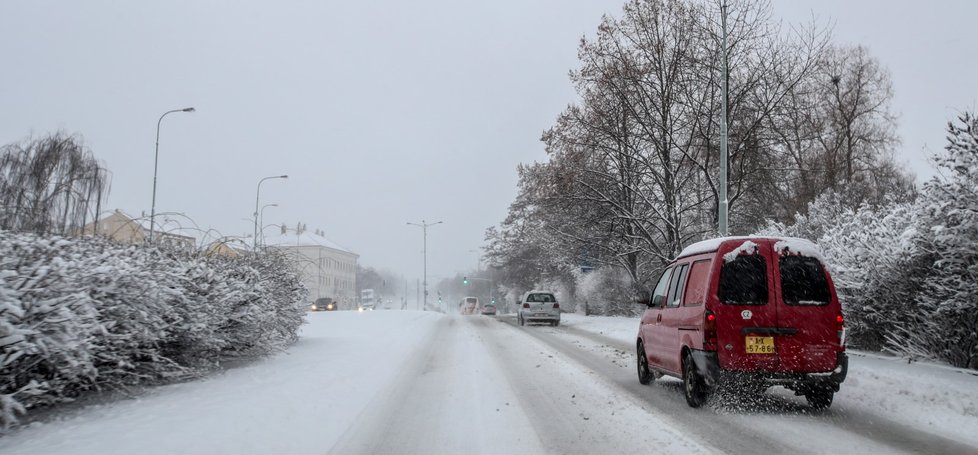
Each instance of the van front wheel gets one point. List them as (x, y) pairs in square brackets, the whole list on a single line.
[(693, 385), (644, 375)]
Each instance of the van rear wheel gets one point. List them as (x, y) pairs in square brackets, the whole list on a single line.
[(693, 385), (820, 398)]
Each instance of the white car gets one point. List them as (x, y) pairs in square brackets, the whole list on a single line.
[(539, 306)]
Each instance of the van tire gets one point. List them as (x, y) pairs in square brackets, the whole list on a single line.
[(820, 398), (556, 323), (694, 388), (645, 376)]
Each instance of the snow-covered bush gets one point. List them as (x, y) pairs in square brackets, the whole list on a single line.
[(84, 314), (950, 210)]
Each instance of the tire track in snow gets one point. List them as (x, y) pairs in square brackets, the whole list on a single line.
[(446, 400), (740, 428)]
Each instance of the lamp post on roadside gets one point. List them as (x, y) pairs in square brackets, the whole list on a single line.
[(261, 220), (156, 161), (424, 229), (254, 243), (724, 157)]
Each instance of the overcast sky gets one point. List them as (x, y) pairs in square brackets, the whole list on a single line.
[(381, 112)]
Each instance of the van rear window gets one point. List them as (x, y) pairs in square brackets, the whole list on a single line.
[(743, 281), (803, 281)]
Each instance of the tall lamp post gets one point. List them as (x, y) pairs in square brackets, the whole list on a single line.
[(424, 229), (156, 161), (261, 220), (724, 157), (254, 243)]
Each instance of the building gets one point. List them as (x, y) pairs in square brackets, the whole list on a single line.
[(326, 269), (122, 228), (231, 247)]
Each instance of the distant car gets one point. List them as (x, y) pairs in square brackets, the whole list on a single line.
[(539, 306), (324, 304), (489, 310)]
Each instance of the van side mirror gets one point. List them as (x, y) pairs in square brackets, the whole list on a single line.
[(657, 301)]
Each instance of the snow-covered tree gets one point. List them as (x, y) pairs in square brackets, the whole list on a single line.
[(950, 210)]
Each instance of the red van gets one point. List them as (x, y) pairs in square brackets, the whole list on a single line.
[(749, 311)]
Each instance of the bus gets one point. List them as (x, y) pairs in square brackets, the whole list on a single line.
[(368, 300)]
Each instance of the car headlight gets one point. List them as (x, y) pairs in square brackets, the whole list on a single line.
[(314, 308)]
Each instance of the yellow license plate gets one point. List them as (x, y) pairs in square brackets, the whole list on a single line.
[(759, 345)]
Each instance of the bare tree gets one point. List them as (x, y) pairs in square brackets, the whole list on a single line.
[(50, 185)]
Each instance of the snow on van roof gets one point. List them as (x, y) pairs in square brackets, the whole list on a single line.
[(748, 247), (799, 246), (793, 244)]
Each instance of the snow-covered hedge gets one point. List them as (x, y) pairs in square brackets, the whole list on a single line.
[(86, 314)]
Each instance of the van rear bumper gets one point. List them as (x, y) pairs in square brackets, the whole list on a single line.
[(708, 365)]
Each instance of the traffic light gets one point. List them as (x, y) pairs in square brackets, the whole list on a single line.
[(465, 280)]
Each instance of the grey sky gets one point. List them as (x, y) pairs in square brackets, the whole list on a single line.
[(381, 112)]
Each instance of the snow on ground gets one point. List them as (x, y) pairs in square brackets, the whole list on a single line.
[(939, 398)]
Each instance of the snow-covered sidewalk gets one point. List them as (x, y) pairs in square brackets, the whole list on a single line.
[(939, 398)]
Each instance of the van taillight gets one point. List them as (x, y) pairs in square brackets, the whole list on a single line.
[(840, 326), (710, 326), (526, 305), (556, 305)]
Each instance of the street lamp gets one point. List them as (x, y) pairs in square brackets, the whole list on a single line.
[(156, 161), (424, 230), (261, 219), (723, 205), (254, 243)]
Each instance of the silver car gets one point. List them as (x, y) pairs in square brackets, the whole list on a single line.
[(539, 306)]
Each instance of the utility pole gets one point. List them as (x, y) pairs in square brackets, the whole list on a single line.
[(722, 215), (424, 229)]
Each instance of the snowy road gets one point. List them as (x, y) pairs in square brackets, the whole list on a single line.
[(777, 422), (392, 382)]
